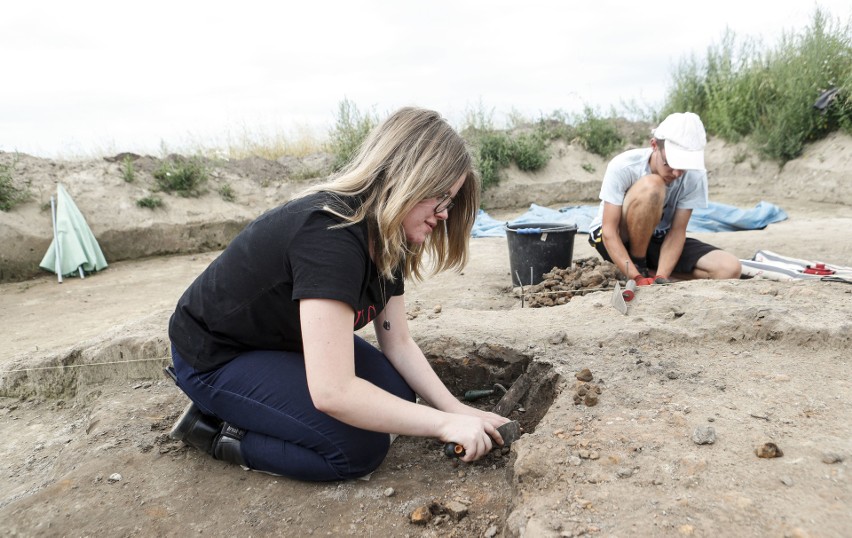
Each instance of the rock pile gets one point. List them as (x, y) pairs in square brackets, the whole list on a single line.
[(586, 392), (560, 285)]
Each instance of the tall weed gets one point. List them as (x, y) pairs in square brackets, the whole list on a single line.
[(349, 132), (299, 142), (185, 177), (493, 154), (495, 149), (10, 194), (743, 89), (529, 150), (555, 126), (598, 134)]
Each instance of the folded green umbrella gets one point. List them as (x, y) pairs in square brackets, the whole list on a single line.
[(74, 245)]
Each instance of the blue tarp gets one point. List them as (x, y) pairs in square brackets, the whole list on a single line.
[(715, 218)]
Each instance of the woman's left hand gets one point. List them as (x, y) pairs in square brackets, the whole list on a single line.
[(492, 418)]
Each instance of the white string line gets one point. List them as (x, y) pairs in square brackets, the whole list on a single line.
[(580, 290), (83, 365), (167, 358)]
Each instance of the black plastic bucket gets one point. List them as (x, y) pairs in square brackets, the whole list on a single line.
[(537, 247)]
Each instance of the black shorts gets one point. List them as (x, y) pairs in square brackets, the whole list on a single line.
[(693, 250)]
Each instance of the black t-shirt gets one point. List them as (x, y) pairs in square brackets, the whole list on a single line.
[(248, 298)]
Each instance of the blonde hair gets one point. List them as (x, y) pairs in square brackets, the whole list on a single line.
[(412, 156)]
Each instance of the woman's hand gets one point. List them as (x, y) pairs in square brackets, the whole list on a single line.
[(475, 434), (492, 418)]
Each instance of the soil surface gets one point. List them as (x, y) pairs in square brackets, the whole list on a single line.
[(660, 437)]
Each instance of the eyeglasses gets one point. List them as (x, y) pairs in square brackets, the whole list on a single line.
[(665, 162), (445, 203)]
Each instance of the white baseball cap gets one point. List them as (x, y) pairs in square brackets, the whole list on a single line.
[(685, 140)]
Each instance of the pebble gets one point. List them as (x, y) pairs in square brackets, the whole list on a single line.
[(456, 510), (558, 338), (786, 480), (584, 503), (438, 309), (421, 515), (389, 492), (491, 532), (704, 435), (768, 450), (114, 477), (584, 375), (831, 457), (440, 519), (624, 472)]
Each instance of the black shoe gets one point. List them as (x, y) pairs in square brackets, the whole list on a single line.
[(227, 445), (170, 373), (196, 429), (215, 437)]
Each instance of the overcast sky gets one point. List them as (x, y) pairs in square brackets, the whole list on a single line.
[(96, 77)]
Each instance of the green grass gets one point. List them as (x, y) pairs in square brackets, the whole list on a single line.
[(529, 151), (558, 125), (184, 177), (10, 194), (226, 192), (493, 154), (128, 172), (494, 149), (150, 202), (598, 134), (742, 89)]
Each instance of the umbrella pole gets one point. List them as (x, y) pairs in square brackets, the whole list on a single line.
[(57, 250)]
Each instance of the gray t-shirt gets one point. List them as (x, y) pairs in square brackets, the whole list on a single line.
[(689, 191)]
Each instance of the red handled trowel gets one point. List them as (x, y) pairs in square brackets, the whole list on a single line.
[(510, 432)]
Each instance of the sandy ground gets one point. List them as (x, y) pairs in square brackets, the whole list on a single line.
[(85, 409)]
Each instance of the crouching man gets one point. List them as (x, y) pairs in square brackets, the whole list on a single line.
[(647, 198)]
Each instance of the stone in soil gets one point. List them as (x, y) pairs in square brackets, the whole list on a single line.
[(768, 450), (584, 375), (704, 435)]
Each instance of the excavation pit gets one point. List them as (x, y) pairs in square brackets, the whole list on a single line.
[(530, 386)]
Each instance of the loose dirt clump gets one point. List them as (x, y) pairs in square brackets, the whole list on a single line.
[(561, 285)]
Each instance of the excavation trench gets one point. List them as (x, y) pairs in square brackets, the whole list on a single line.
[(493, 376), (118, 417)]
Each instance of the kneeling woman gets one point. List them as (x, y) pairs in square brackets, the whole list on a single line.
[(263, 343)]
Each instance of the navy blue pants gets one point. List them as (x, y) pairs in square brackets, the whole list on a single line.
[(266, 394)]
